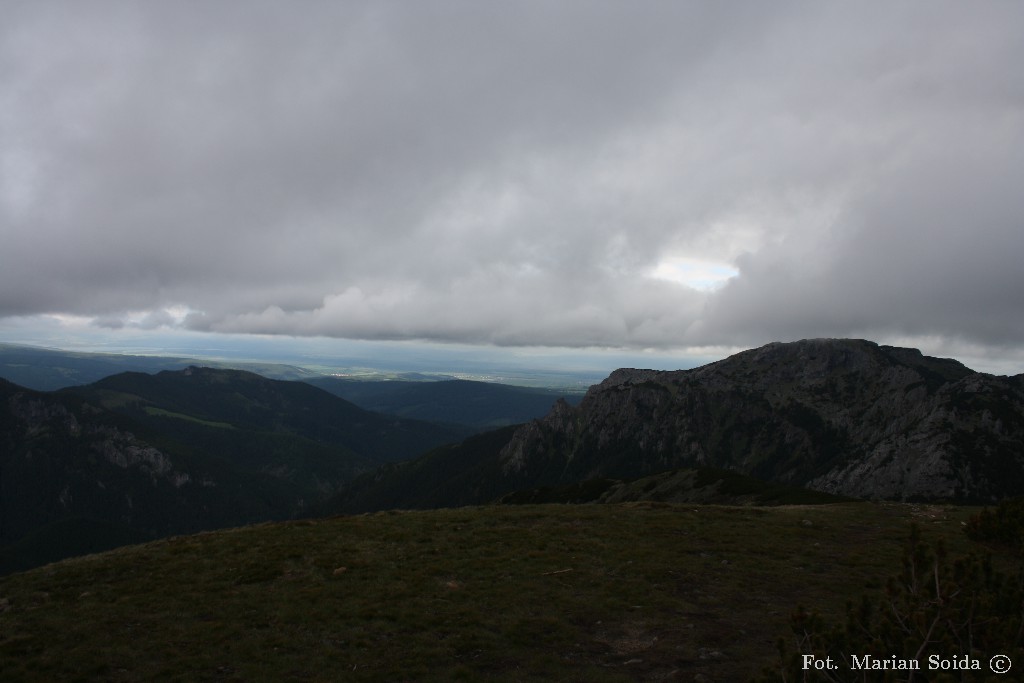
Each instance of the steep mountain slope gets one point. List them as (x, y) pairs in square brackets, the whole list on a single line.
[(841, 416), (480, 405), (453, 475)]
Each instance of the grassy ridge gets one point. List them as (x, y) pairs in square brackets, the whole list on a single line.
[(704, 485), (548, 592)]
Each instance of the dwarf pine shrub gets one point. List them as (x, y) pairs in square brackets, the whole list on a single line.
[(1004, 524), (938, 614)]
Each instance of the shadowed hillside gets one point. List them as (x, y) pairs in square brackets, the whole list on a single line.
[(246, 401), (137, 456)]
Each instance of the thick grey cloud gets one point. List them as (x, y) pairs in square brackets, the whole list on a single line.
[(516, 173)]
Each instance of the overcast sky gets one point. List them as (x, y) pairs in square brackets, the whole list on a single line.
[(634, 175)]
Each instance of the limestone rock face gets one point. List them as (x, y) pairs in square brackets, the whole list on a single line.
[(47, 420), (837, 415)]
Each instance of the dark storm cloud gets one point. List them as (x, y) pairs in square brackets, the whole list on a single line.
[(515, 173)]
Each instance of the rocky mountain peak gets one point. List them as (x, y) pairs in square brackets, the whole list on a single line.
[(628, 376), (844, 416)]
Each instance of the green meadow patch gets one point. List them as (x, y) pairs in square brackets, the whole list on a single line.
[(160, 412), (638, 591)]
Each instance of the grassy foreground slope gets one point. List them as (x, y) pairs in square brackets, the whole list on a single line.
[(639, 591)]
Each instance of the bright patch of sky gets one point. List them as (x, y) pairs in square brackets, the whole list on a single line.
[(703, 275)]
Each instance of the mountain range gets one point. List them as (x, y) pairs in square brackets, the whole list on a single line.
[(467, 404), (841, 416), (136, 456), (47, 369)]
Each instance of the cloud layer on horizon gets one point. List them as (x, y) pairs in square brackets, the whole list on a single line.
[(516, 174)]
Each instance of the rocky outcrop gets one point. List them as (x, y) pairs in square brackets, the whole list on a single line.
[(47, 419), (837, 415)]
